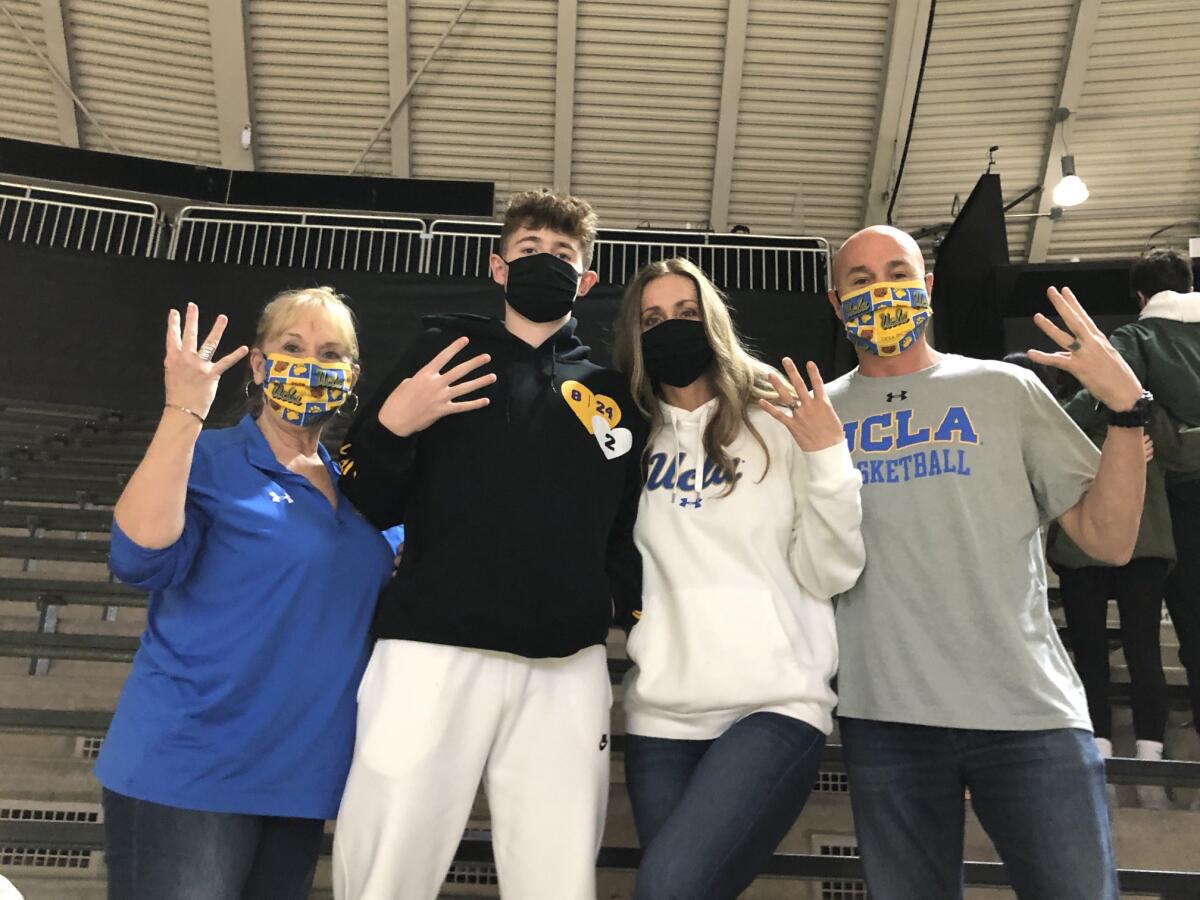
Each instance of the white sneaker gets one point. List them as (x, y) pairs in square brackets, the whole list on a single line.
[(1151, 796)]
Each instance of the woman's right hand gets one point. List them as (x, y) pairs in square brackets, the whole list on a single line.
[(429, 394), (191, 378)]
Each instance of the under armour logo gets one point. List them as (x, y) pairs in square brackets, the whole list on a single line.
[(603, 741), (903, 395), (279, 498), (684, 502)]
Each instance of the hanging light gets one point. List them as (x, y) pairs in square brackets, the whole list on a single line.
[(1071, 191)]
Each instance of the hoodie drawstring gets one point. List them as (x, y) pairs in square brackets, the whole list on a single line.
[(697, 457), (675, 459)]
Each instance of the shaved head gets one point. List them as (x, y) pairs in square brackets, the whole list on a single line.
[(877, 253)]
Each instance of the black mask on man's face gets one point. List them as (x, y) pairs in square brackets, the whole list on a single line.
[(541, 287)]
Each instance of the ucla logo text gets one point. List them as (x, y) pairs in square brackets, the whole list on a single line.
[(664, 476), (893, 430)]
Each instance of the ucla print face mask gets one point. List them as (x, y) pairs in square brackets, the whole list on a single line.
[(304, 391), (886, 318)]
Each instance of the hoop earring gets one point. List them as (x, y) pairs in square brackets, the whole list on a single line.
[(353, 411), (246, 388)]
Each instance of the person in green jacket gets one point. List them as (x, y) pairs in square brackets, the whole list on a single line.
[(1086, 585), (1163, 349)]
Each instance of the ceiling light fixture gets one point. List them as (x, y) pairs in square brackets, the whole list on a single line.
[(1070, 191)]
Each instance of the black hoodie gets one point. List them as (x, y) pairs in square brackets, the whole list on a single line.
[(518, 518)]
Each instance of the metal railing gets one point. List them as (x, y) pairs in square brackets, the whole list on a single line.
[(735, 262), (304, 240), (73, 220), (459, 248), (267, 237)]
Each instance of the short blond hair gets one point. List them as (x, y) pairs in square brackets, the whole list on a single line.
[(287, 307), (282, 312)]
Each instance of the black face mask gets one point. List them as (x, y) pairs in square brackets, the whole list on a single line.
[(541, 287), (676, 352)]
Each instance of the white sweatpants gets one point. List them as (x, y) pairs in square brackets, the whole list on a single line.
[(432, 721)]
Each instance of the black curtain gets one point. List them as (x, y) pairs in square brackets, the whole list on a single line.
[(967, 319), (89, 329)]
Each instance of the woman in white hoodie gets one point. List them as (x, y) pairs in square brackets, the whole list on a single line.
[(748, 525)]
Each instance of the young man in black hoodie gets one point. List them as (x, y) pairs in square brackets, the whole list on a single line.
[(516, 473)]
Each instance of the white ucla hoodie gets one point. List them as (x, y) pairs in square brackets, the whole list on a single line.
[(736, 611)]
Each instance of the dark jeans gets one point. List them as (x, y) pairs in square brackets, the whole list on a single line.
[(156, 852), (1138, 589), (1183, 585), (1040, 796), (709, 814)]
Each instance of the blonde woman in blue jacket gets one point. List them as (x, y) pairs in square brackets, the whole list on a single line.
[(748, 524)]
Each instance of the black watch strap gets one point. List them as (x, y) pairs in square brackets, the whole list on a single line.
[(1133, 418)]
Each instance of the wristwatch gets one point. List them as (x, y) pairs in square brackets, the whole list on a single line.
[(1137, 417)]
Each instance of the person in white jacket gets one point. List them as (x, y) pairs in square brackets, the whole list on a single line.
[(748, 524)]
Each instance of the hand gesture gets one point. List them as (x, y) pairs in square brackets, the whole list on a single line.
[(191, 375), (419, 401), (1087, 354), (808, 416)]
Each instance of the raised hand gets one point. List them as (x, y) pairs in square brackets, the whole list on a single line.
[(190, 374), (810, 417), (1087, 354), (429, 394)]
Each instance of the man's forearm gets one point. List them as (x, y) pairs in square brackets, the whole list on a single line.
[(1106, 521)]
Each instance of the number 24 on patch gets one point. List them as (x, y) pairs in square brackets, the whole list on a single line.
[(606, 411)]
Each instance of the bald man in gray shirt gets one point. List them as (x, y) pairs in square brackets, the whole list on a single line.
[(952, 675)]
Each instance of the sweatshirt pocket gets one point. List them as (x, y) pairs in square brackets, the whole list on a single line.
[(711, 648)]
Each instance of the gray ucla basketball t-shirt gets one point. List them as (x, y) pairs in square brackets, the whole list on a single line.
[(948, 625)]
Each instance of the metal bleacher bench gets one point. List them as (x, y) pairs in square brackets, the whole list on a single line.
[(94, 722), (54, 518), (70, 591), (1169, 885)]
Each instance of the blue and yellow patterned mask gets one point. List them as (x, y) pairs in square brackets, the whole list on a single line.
[(305, 391), (886, 318)]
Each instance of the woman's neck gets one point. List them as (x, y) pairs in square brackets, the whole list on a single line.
[(288, 442), (691, 397)]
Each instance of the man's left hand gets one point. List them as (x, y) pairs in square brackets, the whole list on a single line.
[(1087, 354)]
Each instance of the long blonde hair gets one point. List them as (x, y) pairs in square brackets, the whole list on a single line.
[(739, 379)]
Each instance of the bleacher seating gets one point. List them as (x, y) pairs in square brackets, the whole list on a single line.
[(62, 616)]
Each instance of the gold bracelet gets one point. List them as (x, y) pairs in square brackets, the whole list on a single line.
[(190, 412)]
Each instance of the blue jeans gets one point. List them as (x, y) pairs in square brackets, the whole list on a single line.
[(709, 814), (1039, 795), (156, 852)]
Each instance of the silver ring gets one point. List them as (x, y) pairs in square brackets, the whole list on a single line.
[(206, 352), (794, 404)]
